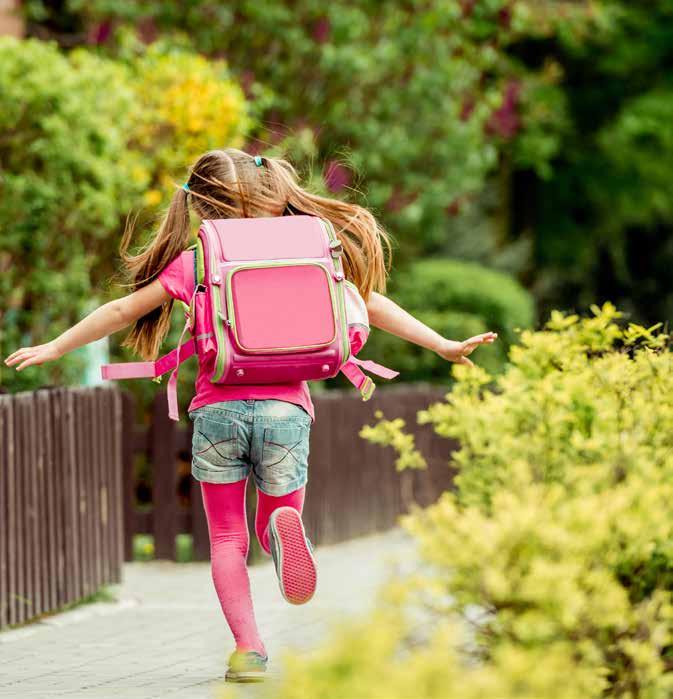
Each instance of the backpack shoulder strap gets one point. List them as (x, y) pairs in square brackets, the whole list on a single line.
[(352, 370)]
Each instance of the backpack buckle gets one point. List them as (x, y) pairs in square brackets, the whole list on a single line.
[(336, 248)]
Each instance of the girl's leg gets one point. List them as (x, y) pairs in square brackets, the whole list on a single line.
[(224, 504), (266, 504), (280, 531)]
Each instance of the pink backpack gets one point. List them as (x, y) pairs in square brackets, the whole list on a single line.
[(271, 305)]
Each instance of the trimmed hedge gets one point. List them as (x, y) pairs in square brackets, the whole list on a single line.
[(458, 299)]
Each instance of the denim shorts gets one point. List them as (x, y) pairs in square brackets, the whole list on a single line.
[(266, 437)]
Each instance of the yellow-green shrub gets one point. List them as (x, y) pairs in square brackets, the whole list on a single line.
[(379, 659), (549, 570), (187, 105)]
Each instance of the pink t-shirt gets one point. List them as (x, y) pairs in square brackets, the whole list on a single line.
[(178, 280)]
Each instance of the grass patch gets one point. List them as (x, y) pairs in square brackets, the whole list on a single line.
[(102, 594), (143, 548)]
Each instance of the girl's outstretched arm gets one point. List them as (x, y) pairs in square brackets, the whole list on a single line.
[(387, 315), (104, 321)]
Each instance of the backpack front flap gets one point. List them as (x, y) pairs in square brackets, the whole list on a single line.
[(277, 290)]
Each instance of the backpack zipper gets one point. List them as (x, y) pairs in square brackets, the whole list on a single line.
[(334, 241), (217, 310)]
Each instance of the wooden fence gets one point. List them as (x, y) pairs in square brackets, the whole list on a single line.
[(68, 486), (353, 486), (60, 498)]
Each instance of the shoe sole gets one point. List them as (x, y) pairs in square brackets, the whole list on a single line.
[(297, 573), (244, 677)]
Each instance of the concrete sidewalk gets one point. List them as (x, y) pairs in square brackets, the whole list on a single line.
[(165, 634)]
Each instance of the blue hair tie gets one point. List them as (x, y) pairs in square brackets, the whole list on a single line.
[(258, 160), (185, 186)]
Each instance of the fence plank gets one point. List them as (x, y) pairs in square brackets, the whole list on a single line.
[(128, 460), (89, 521), (33, 488), (59, 426), (200, 541), (55, 485), (79, 445), (117, 502), (97, 464), (12, 515), (105, 413), (71, 503), (164, 480), (4, 458), (47, 509), (41, 556), (21, 531), (89, 474)]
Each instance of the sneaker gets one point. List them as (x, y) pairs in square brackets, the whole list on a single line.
[(292, 555), (246, 666)]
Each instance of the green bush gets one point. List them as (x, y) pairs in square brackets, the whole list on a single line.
[(458, 299), (63, 189), (548, 571), (84, 141)]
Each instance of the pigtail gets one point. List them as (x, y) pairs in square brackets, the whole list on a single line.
[(171, 239)]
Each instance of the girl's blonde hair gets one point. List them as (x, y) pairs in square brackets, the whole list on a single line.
[(228, 184)]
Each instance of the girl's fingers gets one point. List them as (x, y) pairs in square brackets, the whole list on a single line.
[(18, 356), (15, 354), (485, 339), (481, 339), (34, 359), (464, 360)]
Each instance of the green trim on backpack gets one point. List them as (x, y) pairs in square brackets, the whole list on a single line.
[(199, 267)]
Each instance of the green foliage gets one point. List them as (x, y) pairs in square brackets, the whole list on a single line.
[(600, 223), (458, 299), (421, 103), (380, 659), (84, 140), (639, 145), (555, 550), (186, 105), (414, 99), (63, 189), (390, 433)]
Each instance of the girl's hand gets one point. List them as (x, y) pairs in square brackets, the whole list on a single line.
[(29, 356), (458, 351)]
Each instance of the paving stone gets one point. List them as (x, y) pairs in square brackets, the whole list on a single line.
[(165, 635)]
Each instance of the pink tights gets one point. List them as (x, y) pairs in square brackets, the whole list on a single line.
[(224, 504)]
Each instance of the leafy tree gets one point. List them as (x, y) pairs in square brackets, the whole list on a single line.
[(186, 105), (418, 103), (411, 100), (599, 221)]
